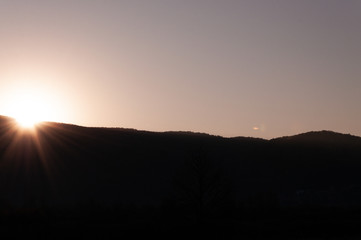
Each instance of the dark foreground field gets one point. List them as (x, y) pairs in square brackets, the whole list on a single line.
[(60, 180)]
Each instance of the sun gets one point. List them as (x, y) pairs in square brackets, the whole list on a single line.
[(30, 106), (26, 122), (27, 119), (28, 110)]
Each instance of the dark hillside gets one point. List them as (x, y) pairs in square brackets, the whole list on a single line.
[(128, 179), (328, 138)]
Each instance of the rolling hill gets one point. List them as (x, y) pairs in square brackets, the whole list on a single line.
[(67, 173)]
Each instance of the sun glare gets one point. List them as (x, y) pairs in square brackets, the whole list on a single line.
[(28, 110), (29, 106), (27, 121)]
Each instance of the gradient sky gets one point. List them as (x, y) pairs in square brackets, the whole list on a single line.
[(232, 68)]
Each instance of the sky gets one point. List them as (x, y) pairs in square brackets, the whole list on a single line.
[(232, 68)]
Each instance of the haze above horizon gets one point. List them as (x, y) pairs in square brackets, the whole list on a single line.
[(231, 68)]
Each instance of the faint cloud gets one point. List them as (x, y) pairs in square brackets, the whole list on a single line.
[(260, 127)]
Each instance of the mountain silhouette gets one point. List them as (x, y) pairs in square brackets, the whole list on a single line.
[(67, 175), (323, 137)]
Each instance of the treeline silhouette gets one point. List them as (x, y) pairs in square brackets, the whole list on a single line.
[(102, 182)]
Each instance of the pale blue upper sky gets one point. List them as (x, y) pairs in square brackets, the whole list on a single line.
[(221, 67)]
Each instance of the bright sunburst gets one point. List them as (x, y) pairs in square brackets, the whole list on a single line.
[(28, 109), (27, 113), (29, 106)]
